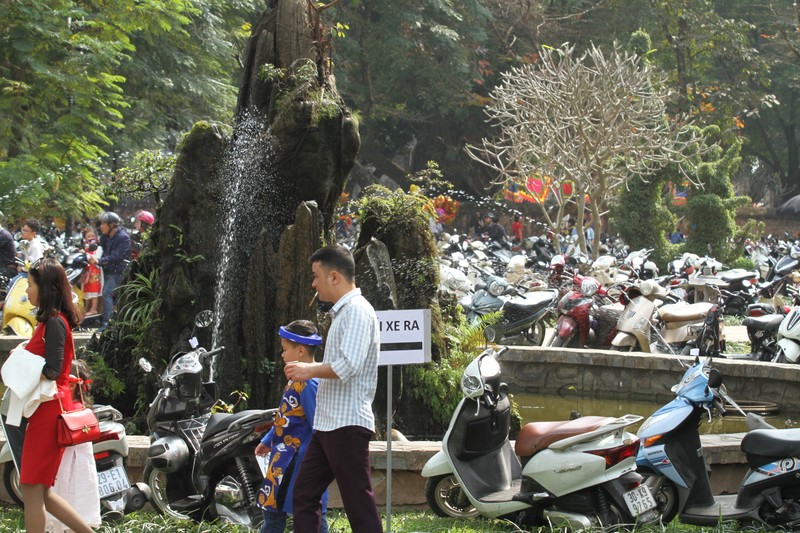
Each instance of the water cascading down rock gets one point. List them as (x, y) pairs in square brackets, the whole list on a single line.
[(244, 213)]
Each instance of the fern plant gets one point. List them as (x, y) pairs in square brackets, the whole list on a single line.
[(140, 302), (437, 384)]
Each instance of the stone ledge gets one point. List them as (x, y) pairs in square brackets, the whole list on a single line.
[(412, 455), (639, 376), (9, 342)]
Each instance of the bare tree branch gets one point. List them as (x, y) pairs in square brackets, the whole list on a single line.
[(594, 120)]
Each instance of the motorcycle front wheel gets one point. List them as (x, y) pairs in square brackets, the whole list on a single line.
[(572, 341), (664, 492), (158, 482), (446, 499), (535, 334), (11, 483)]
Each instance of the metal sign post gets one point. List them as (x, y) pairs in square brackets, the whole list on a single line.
[(389, 449)]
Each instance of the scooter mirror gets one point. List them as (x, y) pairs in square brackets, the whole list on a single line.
[(490, 333), (714, 378), (145, 365), (204, 318)]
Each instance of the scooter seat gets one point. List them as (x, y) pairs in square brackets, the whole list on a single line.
[(766, 322), (537, 436), (683, 312), (763, 446), (219, 422), (736, 275), (531, 302)]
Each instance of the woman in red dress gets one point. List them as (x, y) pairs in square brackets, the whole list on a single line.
[(50, 292)]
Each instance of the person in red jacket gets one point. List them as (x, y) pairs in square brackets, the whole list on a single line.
[(516, 229)]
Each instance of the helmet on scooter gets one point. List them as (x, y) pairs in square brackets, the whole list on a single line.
[(110, 217), (497, 286)]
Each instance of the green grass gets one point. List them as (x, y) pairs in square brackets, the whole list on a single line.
[(737, 347), (11, 521), (403, 521)]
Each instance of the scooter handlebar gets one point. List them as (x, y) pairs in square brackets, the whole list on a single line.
[(500, 352)]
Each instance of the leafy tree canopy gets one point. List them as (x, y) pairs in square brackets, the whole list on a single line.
[(78, 78)]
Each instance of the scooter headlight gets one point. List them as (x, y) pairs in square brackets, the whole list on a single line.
[(471, 386), (497, 287)]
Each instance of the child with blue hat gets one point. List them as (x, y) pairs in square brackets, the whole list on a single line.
[(285, 444)]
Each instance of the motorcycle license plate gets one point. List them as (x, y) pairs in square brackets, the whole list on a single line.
[(112, 481), (639, 500)]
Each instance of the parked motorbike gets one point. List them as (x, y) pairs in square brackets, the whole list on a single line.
[(523, 314), (200, 463), (740, 291), (671, 459), (117, 495), (580, 321), (577, 473), (19, 316), (637, 265), (649, 325), (604, 269), (762, 327), (523, 319), (788, 350)]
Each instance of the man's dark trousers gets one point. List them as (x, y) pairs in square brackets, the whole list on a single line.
[(341, 454)]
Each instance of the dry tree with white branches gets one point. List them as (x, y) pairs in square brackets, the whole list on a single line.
[(593, 120)]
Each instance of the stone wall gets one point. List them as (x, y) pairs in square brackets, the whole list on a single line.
[(639, 376), (774, 223)]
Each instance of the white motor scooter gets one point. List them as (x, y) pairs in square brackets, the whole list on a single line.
[(649, 325), (118, 496), (788, 350), (578, 473)]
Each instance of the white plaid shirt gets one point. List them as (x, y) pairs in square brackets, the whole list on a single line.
[(352, 351)]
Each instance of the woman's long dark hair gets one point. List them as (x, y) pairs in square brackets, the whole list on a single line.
[(55, 292)]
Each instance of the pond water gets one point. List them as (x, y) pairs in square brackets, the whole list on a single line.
[(534, 408)]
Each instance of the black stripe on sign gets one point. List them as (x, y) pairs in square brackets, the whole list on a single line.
[(398, 346)]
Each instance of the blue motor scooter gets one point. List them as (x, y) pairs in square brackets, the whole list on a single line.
[(671, 460)]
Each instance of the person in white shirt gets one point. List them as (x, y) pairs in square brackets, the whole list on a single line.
[(36, 244), (343, 422)]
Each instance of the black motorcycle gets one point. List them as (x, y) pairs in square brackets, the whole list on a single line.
[(200, 464)]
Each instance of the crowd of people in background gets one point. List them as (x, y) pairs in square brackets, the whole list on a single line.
[(107, 244)]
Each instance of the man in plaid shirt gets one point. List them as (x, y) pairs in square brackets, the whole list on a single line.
[(344, 423)]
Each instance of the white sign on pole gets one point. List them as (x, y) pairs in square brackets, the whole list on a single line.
[(405, 337), (405, 340)]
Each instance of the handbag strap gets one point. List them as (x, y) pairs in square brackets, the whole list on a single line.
[(80, 384), (80, 390)]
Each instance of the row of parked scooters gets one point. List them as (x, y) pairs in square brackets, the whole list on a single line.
[(592, 472), (623, 304)]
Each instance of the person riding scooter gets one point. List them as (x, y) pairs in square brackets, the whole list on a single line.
[(116, 244)]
